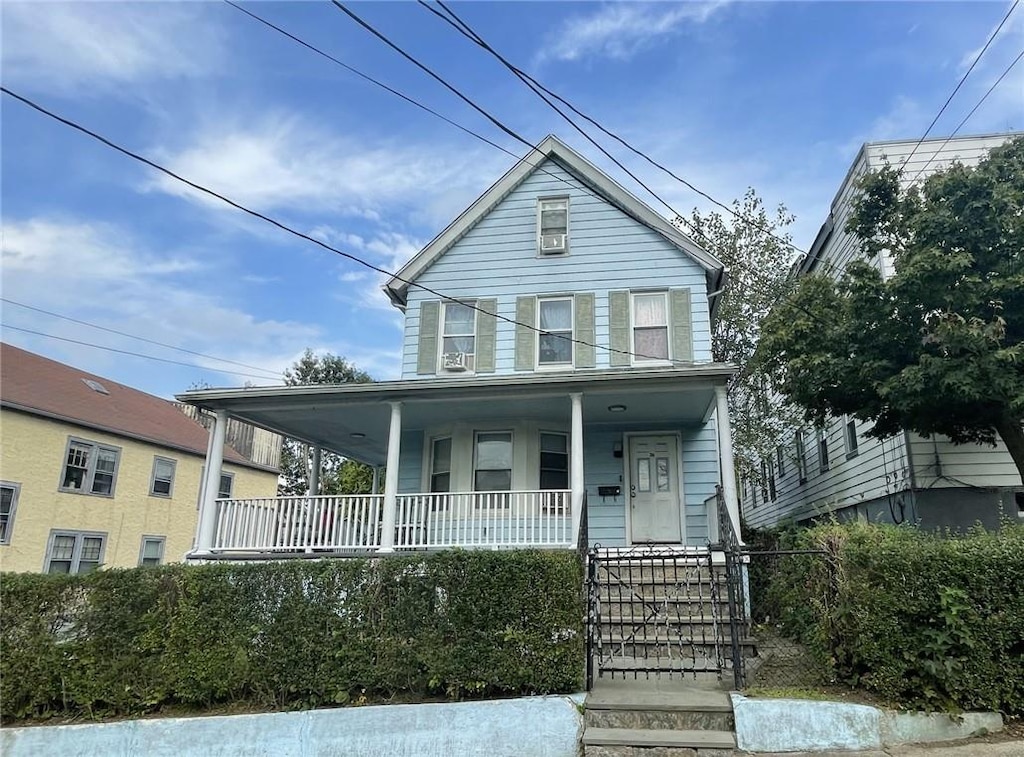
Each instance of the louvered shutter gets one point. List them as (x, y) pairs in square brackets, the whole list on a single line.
[(618, 328), (486, 335), (585, 335), (426, 349), (682, 326), (526, 335)]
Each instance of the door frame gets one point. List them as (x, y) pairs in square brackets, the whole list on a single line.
[(627, 468)]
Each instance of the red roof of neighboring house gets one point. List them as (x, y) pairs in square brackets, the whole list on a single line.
[(38, 385)]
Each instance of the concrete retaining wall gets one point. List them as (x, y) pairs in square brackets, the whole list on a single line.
[(527, 727), (800, 725)]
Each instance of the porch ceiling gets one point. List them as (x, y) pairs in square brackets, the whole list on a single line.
[(334, 416)]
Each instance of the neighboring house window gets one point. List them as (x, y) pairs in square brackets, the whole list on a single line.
[(493, 461), (152, 551), (650, 327), (553, 224), (764, 482), (74, 552), (772, 493), (90, 468), (441, 465), (780, 455), (801, 456), (458, 337), (554, 347), (162, 482), (8, 504), (823, 462), (554, 461), (227, 481), (851, 437)]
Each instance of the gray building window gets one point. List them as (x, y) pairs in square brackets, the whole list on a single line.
[(8, 504), (152, 551), (90, 468), (74, 552), (162, 482), (554, 461), (227, 481)]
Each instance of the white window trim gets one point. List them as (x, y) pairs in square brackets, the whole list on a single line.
[(824, 461), (441, 336), (90, 473), (632, 328), (568, 231), (231, 476), (76, 555), (572, 334), (162, 540), (852, 450), (512, 467), (800, 447), (540, 454), (152, 477), (6, 538)]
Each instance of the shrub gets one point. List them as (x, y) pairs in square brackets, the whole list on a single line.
[(291, 634), (924, 621)]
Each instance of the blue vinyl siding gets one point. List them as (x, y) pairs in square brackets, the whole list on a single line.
[(608, 250)]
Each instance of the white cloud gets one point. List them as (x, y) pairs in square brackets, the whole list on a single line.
[(283, 162), (1011, 30), (621, 30), (98, 273), (70, 46)]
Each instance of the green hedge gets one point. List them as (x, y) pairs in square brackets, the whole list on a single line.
[(922, 620), (291, 634)]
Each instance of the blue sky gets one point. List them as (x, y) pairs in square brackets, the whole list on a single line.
[(777, 96)]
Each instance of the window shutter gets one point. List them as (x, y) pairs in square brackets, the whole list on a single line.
[(526, 336), (586, 354), (486, 335), (426, 350), (682, 328), (618, 328)]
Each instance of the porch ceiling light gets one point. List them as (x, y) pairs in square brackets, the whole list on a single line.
[(357, 435), (616, 408)]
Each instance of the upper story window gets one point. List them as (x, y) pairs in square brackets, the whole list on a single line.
[(650, 327), (90, 468), (74, 552), (553, 225), (227, 481), (823, 461), (852, 445), (8, 504), (492, 467), (780, 456), (458, 337), (554, 345), (162, 482), (801, 456), (441, 465)]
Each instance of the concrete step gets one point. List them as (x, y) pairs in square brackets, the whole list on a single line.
[(656, 720), (671, 697), (674, 739)]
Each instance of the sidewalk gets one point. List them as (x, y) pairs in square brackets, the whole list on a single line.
[(978, 748)]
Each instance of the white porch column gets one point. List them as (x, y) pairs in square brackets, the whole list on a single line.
[(314, 473), (728, 464), (387, 536), (375, 489), (576, 463), (206, 530)]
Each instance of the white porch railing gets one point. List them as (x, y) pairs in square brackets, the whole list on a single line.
[(423, 521), (299, 523)]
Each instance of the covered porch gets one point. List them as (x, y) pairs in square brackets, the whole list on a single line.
[(481, 462)]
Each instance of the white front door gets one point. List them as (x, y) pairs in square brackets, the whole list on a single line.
[(654, 489)]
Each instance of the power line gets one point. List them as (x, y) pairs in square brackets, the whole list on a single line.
[(284, 227), (968, 116), (129, 352), (959, 84), (140, 338), (464, 28)]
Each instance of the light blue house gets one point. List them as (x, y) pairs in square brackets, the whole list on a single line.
[(556, 359)]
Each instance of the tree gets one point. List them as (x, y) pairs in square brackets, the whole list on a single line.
[(338, 475), (756, 251), (937, 347)]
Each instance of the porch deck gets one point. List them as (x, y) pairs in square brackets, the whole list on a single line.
[(355, 523)]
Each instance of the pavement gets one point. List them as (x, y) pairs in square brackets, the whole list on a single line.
[(974, 748)]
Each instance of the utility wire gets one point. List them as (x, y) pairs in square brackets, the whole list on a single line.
[(968, 116), (140, 338), (464, 28), (129, 352), (284, 227), (959, 84)]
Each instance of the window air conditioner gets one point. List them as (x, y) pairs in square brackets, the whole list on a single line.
[(552, 243), (454, 361)]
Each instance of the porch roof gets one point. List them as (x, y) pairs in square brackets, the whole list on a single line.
[(353, 419)]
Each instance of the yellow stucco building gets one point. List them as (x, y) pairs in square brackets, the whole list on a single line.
[(94, 473)]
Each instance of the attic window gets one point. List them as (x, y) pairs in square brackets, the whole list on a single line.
[(553, 225), (96, 386)]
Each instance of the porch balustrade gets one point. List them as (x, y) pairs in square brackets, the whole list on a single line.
[(422, 521)]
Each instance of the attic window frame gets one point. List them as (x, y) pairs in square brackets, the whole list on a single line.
[(540, 214)]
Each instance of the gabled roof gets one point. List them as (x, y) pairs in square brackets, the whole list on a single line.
[(590, 175), (33, 384)]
